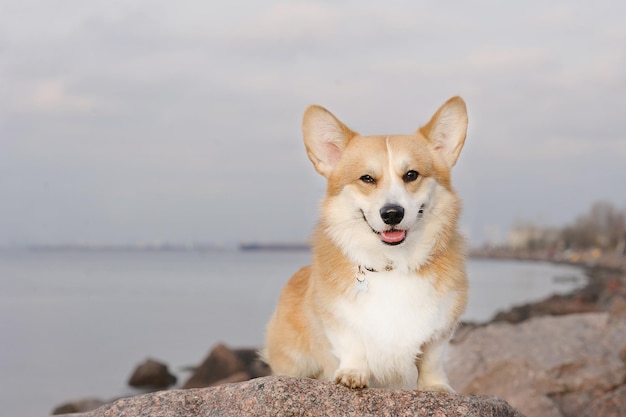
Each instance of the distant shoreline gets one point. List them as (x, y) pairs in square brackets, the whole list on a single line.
[(165, 247), (119, 248), (253, 246), (581, 258), (590, 258)]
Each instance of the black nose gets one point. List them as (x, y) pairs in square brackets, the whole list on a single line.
[(392, 214)]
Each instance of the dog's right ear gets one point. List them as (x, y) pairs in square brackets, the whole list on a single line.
[(325, 138)]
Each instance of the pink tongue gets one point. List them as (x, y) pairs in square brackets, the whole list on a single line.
[(393, 236)]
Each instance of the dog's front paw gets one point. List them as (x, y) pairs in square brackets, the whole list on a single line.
[(351, 378)]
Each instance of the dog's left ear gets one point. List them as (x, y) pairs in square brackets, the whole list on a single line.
[(447, 129), (325, 138)]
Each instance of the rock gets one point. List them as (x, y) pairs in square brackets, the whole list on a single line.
[(79, 406), (604, 291), (151, 374), (221, 363), (556, 305), (247, 355), (234, 378), (254, 365), (618, 304), (606, 288), (546, 366), (282, 396), (612, 404)]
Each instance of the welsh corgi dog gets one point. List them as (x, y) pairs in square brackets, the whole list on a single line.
[(387, 284)]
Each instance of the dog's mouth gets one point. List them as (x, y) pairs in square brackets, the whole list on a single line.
[(390, 237), (393, 236)]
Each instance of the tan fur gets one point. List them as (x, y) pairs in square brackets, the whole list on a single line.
[(301, 331)]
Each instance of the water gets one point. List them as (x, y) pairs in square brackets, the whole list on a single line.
[(75, 324)]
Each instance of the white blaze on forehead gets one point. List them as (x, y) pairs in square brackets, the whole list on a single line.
[(396, 187)]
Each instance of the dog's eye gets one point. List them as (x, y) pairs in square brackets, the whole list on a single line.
[(410, 176), (368, 179)]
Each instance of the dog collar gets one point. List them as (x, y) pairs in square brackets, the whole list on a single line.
[(363, 269), (361, 284)]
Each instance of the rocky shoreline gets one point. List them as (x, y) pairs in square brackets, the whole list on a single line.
[(564, 356)]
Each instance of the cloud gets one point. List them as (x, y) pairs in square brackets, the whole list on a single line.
[(188, 109), (559, 17), (295, 22), (507, 60), (53, 95)]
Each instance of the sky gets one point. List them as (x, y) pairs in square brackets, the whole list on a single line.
[(146, 121)]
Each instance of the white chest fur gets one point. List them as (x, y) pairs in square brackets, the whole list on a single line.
[(388, 322)]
